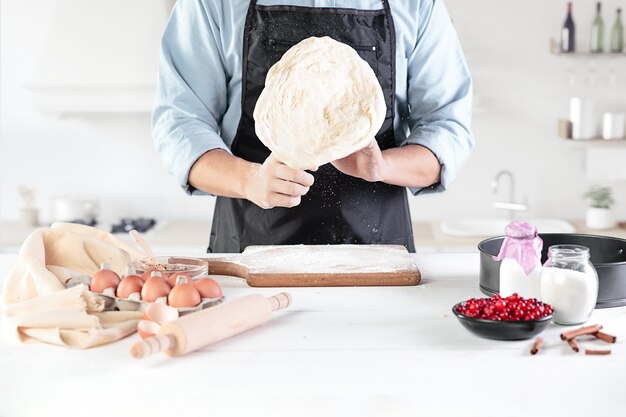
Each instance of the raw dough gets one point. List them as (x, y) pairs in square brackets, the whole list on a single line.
[(321, 102)]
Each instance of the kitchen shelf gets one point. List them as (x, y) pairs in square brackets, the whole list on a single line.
[(594, 143), (591, 55), (554, 50)]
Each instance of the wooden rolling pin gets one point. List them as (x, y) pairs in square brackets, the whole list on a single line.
[(205, 327)]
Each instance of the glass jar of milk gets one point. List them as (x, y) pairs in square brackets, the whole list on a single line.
[(569, 282), (520, 256)]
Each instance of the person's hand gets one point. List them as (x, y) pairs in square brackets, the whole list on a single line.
[(274, 184), (368, 163)]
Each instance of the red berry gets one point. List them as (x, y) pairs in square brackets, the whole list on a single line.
[(513, 308)]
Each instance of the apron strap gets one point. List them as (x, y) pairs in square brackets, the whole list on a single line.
[(392, 31)]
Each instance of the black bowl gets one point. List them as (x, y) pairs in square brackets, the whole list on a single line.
[(502, 330), (608, 255)]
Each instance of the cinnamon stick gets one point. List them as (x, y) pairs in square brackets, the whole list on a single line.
[(605, 337), (582, 331), (597, 352), (536, 346), (573, 344)]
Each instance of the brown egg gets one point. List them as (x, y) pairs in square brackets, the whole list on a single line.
[(184, 295), (129, 285), (208, 288), (103, 279), (149, 272), (154, 287), (174, 276)]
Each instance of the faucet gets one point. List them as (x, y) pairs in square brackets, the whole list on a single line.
[(510, 205)]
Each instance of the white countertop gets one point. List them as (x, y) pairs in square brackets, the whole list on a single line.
[(375, 351)]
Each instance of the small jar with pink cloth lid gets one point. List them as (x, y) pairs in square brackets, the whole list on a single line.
[(520, 256)]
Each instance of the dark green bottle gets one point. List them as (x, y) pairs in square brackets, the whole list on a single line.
[(597, 31)]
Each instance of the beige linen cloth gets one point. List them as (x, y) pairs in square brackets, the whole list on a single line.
[(38, 307)]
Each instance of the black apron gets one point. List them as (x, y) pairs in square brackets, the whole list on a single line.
[(338, 208)]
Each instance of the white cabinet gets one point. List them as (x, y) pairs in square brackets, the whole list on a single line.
[(100, 56)]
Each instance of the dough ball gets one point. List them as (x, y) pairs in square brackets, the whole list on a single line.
[(321, 102)]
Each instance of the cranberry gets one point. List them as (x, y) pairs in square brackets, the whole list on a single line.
[(511, 308)]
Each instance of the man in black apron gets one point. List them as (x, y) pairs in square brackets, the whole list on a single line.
[(337, 207)]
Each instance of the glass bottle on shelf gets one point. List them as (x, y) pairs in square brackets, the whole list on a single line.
[(617, 34), (597, 31), (568, 32)]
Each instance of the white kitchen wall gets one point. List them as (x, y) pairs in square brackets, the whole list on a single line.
[(521, 91), (524, 90), (107, 157)]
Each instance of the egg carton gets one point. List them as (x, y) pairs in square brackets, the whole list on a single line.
[(134, 302)]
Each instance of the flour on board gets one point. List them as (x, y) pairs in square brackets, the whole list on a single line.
[(327, 259)]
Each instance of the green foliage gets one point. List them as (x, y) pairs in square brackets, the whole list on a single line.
[(600, 197)]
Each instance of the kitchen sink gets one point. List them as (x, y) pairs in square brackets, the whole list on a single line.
[(495, 227)]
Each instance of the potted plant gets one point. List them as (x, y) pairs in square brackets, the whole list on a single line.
[(599, 214)]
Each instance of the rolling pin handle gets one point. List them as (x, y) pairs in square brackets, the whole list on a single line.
[(152, 345), (280, 301)]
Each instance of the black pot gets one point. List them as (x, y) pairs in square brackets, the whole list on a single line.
[(608, 255)]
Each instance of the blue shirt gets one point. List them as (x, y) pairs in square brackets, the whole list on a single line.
[(198, 98)]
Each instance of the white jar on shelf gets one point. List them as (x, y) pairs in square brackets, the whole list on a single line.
[(583, 118), (614, 126)]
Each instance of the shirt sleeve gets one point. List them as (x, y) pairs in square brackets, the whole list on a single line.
[(439, 94), (191, 94)]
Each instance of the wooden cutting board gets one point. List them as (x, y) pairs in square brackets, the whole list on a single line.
[(320, 266)]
